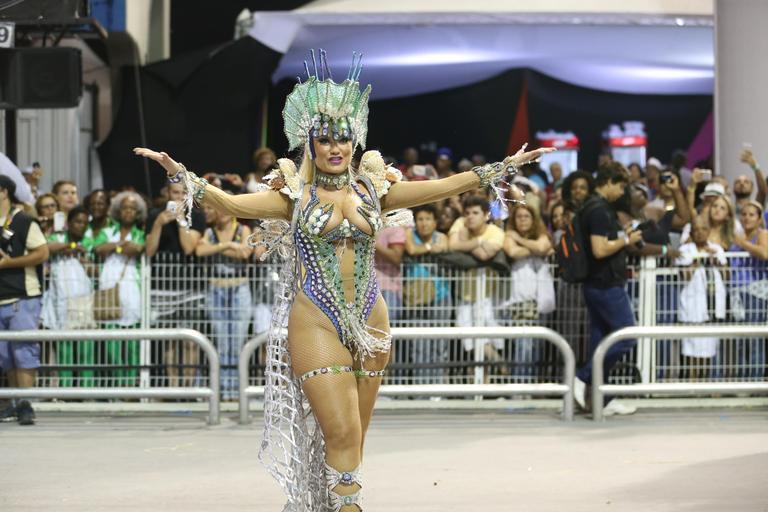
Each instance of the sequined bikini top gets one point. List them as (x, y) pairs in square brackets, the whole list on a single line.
[(322, 280), (316, 215)]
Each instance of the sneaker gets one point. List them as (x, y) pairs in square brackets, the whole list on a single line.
[(26, 413), (9, 414), (615, 407), (579, 391)]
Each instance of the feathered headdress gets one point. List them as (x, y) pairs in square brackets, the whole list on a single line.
[(320, 107)]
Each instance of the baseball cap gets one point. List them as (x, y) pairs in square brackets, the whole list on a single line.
[(713, 190), (654, 162), (445, 153), (642, 188)]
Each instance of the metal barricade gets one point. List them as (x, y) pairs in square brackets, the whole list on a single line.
[(444, 333), (210, 393), (599, 389), (701, 288)]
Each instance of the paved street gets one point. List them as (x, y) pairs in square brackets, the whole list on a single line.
[(422, 461)]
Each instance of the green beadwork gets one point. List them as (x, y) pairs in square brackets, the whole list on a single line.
[(331, 273), (315, 102)]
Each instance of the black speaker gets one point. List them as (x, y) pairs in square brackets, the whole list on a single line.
[(40, 77)]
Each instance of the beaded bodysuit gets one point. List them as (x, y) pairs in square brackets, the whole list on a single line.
[(322, 280)]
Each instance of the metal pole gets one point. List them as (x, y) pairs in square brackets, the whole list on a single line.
[(11, 144), (669, 333), (242, 367)]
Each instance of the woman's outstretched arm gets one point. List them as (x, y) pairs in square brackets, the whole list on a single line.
[(260, 205), (414, 193), (407, 194)]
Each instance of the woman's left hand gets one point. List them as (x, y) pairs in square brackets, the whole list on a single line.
[(523, 157), (169, 164)]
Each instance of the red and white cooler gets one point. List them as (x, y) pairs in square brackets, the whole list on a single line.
[(567, 154), (627, 144)]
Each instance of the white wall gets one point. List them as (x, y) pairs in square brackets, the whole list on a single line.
[(741, 75), (62, 141), (149, 22)]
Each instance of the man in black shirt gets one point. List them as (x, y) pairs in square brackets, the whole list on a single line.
[(22, 250), (177, 290), (605, 294)]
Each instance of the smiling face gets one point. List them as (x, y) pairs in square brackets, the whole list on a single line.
[(332, 156), (98, 205)]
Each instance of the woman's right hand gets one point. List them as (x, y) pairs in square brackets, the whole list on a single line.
[(170, 165)]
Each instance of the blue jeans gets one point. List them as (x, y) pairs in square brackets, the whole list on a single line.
[(22, 315), (230, 312), (751, 351), (609, 310), (394, 300), (429, 351)]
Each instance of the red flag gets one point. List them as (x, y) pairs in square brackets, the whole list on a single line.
[(520, 131)]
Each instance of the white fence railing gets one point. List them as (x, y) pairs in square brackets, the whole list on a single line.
[(415, 335), (600, 389), (231, 303), (210, 393)]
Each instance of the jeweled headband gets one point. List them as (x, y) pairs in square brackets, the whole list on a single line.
[(320, 107)]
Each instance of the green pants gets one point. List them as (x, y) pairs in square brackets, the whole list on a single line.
[(65, 351), (123, 353)]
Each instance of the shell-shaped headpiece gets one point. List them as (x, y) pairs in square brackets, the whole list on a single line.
[(321, 107)]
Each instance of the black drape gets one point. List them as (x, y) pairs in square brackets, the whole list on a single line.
[(671, 121), (478, 118), (204, 108)]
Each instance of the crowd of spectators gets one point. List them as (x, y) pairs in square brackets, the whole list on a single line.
[(689, 217)]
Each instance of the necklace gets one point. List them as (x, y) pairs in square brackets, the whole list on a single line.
[(337, 181)]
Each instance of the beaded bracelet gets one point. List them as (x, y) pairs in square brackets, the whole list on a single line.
[(176, 178), (199, 185), (491, 173)]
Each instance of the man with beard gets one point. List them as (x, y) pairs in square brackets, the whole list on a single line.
[(743, 185)]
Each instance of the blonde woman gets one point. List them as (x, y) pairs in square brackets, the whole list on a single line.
[(338, 339), (532, 292)]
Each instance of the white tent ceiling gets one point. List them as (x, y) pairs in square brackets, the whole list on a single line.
[(665, 49)]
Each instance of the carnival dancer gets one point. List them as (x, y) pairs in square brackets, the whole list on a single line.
[(322, 220)]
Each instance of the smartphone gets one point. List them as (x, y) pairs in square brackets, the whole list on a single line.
[(171, 206), (59, 221), (706, 175), (665, 178)]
